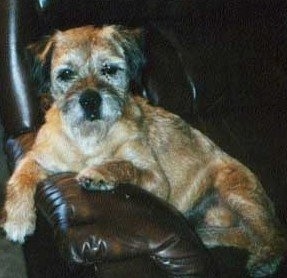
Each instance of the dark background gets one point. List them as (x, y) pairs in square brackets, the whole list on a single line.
[(237, 56)]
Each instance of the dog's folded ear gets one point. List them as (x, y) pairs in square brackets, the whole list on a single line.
[(132, 42), (39, 55)]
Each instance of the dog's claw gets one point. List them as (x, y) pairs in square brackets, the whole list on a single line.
[(85, 182), (91, 185)]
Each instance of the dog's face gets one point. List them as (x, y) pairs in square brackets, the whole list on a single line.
[(90, 70)]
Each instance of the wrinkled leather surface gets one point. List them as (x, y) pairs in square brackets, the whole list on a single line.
[(121, 224)]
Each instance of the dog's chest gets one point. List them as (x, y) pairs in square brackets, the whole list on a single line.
[(72, 160), (60, 154)]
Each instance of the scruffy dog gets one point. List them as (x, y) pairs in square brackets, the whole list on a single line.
[(99, 130)]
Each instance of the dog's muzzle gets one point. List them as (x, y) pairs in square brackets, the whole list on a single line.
[(90, 101)]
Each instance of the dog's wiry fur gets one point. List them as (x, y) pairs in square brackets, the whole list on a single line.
[(122, 139)]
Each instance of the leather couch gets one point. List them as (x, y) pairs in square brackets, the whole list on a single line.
[(223, 47)]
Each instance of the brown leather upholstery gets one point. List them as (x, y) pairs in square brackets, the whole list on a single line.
[(121, 225), (18, 108)]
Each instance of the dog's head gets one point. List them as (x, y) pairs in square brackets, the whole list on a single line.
[(89, 70)]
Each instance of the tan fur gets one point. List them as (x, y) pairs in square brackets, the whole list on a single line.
[(146, 146)]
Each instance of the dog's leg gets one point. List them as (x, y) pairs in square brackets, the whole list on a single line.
[(19, 204), (239, 189), (109, 174)]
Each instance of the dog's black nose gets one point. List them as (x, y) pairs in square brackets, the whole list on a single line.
[(90, 101)]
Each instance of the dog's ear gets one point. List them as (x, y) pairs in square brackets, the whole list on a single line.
[(132, 42), (39, 56)]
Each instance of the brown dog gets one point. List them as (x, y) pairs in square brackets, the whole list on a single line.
[(99, 130)]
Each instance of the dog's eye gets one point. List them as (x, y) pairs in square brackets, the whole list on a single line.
[(66, 75), (110, 69)]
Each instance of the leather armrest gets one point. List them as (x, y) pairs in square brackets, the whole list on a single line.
[(103, 227)]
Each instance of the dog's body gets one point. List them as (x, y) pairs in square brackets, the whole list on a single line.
[(99, 130)]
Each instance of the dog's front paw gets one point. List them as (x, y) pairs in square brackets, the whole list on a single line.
[(91, 185), (19, 223), (93, 180), (17, 230), (20, 217)]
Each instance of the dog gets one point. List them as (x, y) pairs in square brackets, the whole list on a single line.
[(98, 129)]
